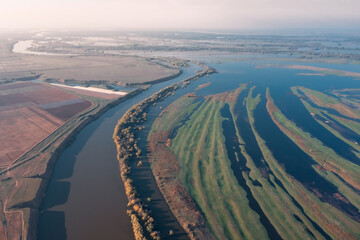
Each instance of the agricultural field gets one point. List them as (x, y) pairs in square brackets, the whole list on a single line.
[(210, 148), (120, 70), (38, 120), (29, 113), (266, 148), (45, 100), (85, 69)]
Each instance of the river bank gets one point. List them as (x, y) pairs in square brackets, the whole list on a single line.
[(25, 183), (82, 171), (125, 137), (39, 163)]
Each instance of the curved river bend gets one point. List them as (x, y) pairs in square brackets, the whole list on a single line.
[(85, 197)]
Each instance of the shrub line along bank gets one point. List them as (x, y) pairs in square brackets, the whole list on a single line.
[(128, 151), (53, 146)]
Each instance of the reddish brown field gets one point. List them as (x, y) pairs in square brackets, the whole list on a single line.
[(25, 121), (48, 94), (12, 86), (66, 112)]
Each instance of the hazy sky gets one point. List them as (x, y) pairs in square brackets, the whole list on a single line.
[(179, 14)]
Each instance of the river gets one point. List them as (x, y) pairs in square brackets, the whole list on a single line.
[(85, 197), (231, 74)]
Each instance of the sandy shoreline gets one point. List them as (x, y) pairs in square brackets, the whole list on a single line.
[(91, 89)]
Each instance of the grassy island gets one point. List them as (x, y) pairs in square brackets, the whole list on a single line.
[(128, 151), (203, 160)]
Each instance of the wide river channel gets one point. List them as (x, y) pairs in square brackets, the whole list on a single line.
[(86, 197)]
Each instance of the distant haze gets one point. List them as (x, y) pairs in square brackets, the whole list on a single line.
[(179, 14)]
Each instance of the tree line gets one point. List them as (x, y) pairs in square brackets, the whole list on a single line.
[(125, 138)]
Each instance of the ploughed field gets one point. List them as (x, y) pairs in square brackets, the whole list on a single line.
[(37, 122), (262, 160), (29, 113)]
